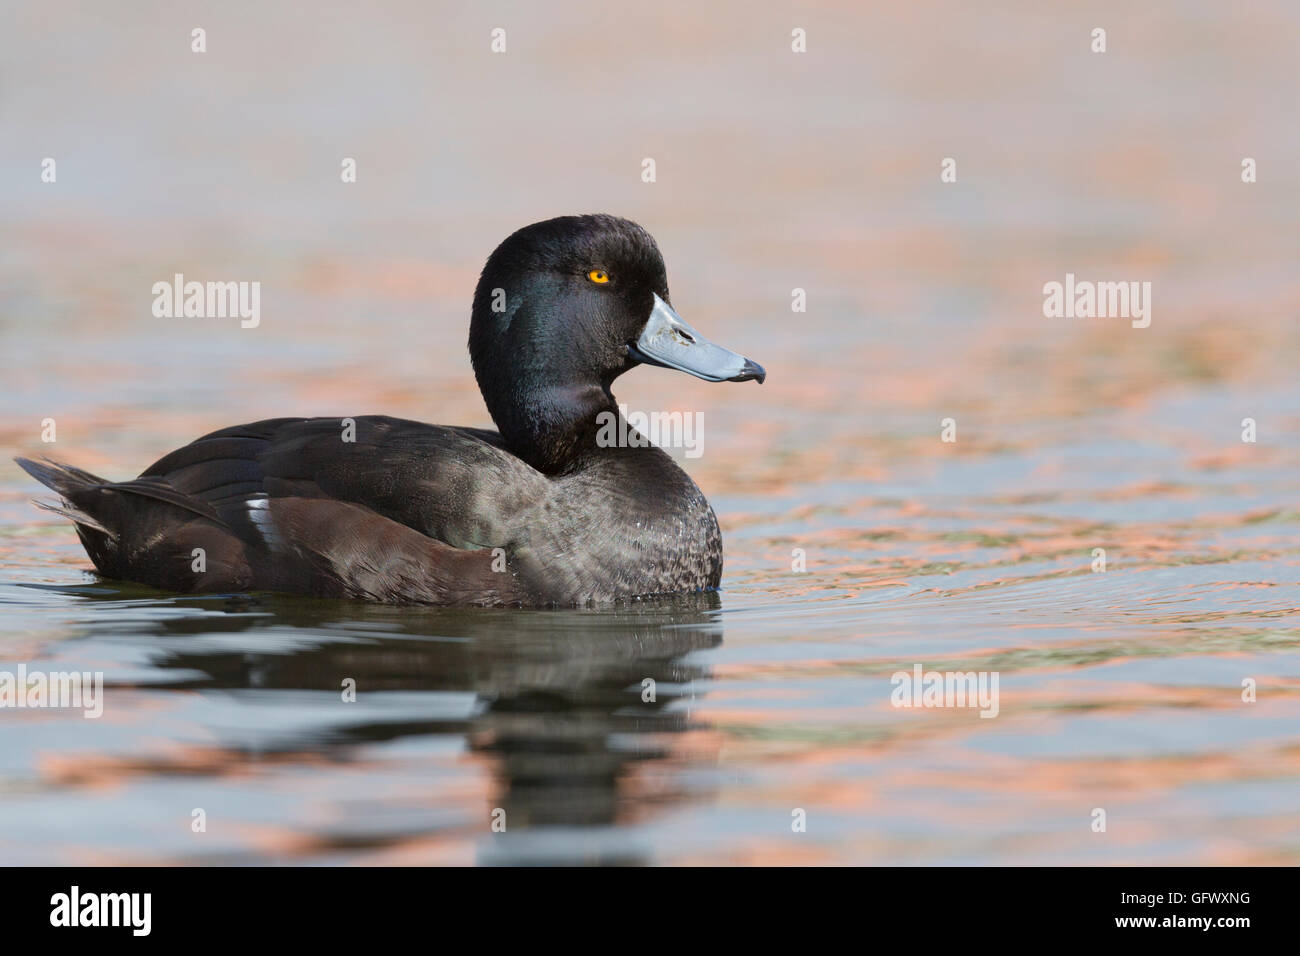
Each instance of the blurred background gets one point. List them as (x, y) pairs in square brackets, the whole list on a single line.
[(775, 170)]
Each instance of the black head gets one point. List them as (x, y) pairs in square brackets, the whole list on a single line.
[(564, 307)]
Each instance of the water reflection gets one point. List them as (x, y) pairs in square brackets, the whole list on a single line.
[(559, 703)]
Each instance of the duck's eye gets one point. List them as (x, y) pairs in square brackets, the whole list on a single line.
[(598, 275)]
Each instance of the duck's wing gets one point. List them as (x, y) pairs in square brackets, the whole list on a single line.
[(370, 507), (456, 485)]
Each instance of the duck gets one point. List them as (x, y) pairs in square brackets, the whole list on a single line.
[(540, 512)]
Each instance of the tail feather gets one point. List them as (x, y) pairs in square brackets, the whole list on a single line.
[(64, 479), (144, 530), (76, 515), (72, 484)]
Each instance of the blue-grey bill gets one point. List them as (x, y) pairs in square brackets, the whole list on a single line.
[(670, 342)]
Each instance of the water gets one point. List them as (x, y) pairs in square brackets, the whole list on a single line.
[(1119, 690)]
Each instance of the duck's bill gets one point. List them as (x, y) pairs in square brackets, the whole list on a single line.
[(668, 341)]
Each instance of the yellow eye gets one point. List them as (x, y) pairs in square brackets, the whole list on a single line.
[(598, 275)]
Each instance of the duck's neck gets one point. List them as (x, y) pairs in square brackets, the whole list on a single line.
[(553, 427)]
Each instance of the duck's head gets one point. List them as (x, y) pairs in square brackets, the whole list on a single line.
[(563, 308)]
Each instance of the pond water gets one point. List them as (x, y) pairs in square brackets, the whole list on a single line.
[(859, 543)]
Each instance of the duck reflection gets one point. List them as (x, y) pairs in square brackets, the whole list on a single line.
[(566, 706)]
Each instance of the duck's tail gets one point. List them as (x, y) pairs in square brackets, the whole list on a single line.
[(143, 530), (72, 484)]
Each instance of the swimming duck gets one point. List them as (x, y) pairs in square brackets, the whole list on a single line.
[(536, 513)]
